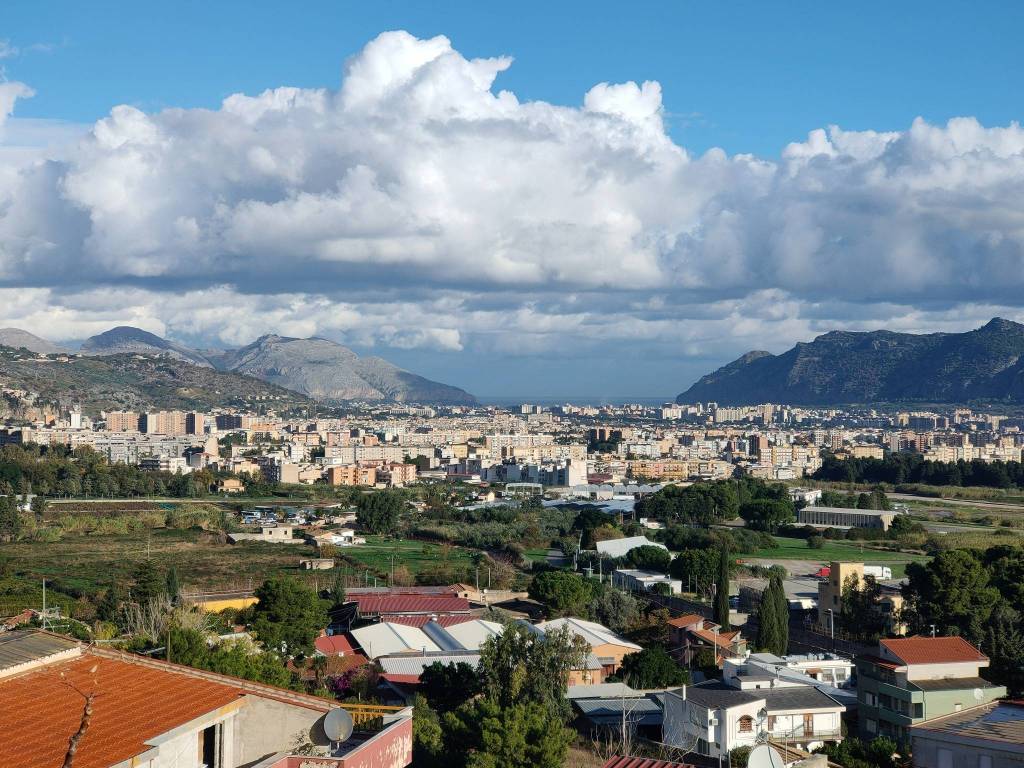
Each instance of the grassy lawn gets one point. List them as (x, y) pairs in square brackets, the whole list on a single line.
[(415, 556), (797, 549)]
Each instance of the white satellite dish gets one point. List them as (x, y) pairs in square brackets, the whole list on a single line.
[(979, 694), (764, 756), (338, 725)]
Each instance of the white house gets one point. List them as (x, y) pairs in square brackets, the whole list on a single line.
[(636, 580), (714, 718), (622, 547)]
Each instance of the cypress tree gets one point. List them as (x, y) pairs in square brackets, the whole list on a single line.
[(782, 615), (767, 622), (722, 590)]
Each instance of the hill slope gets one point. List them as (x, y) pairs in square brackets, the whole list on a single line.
[(325, 370), (127, 340), (877, 366), (15, 338), (136, 382)]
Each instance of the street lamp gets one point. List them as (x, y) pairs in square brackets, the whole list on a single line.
[(832, 627)]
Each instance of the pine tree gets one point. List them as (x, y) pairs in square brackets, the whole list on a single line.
[(722, 590)]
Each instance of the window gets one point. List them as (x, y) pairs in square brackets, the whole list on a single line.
[(746, 724), (808, 724), (208, 747), (771, 722), (870, 726)]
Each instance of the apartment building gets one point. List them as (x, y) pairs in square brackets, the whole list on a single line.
[(914, 680), (350, 474), (830, 598), (121, 421)]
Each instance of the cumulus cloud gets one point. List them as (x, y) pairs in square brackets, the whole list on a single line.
[(419, 205)]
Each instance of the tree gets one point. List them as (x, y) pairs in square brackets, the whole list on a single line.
[(448, 686), (722, 590), (816, 542), (521, 665), (149, 582), (563, 593), (951, 591), (615, 609), (427, 735), (650, 558), (522, 735), (338, 593), (10, 519), (173, 585), (652, 668), (767, 623), (695, 567), (766, 514), (289, 616), (379, 512)]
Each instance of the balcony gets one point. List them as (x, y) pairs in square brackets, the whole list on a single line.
[(391, 745), (817, 734)]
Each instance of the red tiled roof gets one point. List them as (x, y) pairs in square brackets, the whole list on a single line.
[(370, 604), (642, 762), (687, 620), (334, 645), (41, 710), (402, 679), (932, 650)]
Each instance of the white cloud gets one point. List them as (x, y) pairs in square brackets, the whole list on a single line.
[(419, 206)]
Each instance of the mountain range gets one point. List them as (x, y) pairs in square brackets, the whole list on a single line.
[(844, 367), (316, 368)]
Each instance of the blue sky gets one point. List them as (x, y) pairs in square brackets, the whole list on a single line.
[(582, 238), (745, 76)]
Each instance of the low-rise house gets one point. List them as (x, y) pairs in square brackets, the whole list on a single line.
[(989, 736), (606, 645), (637, 580), (716, 717), (913, 680), (269, 534), (317, 564), (346, 537), (137, 711), (690, 634), (830, 598)]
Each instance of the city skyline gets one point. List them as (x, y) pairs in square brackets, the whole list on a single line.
[(447, 204)]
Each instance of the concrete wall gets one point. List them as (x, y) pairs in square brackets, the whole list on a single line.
[(264, 727), (928, 754), (935, 671)]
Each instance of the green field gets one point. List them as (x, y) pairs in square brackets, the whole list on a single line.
[(797, 549), (415, 556)]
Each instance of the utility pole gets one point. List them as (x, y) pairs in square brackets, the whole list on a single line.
[(44, 603)]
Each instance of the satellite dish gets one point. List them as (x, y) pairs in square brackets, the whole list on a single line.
[(979, 694), (338, 725), (764, 756)]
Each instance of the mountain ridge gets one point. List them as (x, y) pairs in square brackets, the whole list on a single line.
[(841, 367), (316, 367)]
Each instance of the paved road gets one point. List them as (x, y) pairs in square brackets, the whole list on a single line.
[(958, 502)]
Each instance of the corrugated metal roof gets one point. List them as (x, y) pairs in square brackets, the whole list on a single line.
[(599, 691), (641, 762), (622, 547), (23, 646), (425, 604), (386, 639), (414, 665), (595, 634)]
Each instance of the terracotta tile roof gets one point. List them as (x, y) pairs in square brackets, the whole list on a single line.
[(642, 762), (40, 710), (932, 650), (402, 679), (686, 621)]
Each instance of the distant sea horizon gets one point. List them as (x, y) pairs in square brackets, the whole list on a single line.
[(592, 400)]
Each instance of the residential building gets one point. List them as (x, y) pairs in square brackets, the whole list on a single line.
[(350, 474), (830, 598), (690, 634), (122, 421), (714, 718), (913, 680), (636, 580), (152, 714), (622, 547), (606, 645), (988, 736)]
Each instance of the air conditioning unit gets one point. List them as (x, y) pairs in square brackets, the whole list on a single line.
[(712, 722)]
